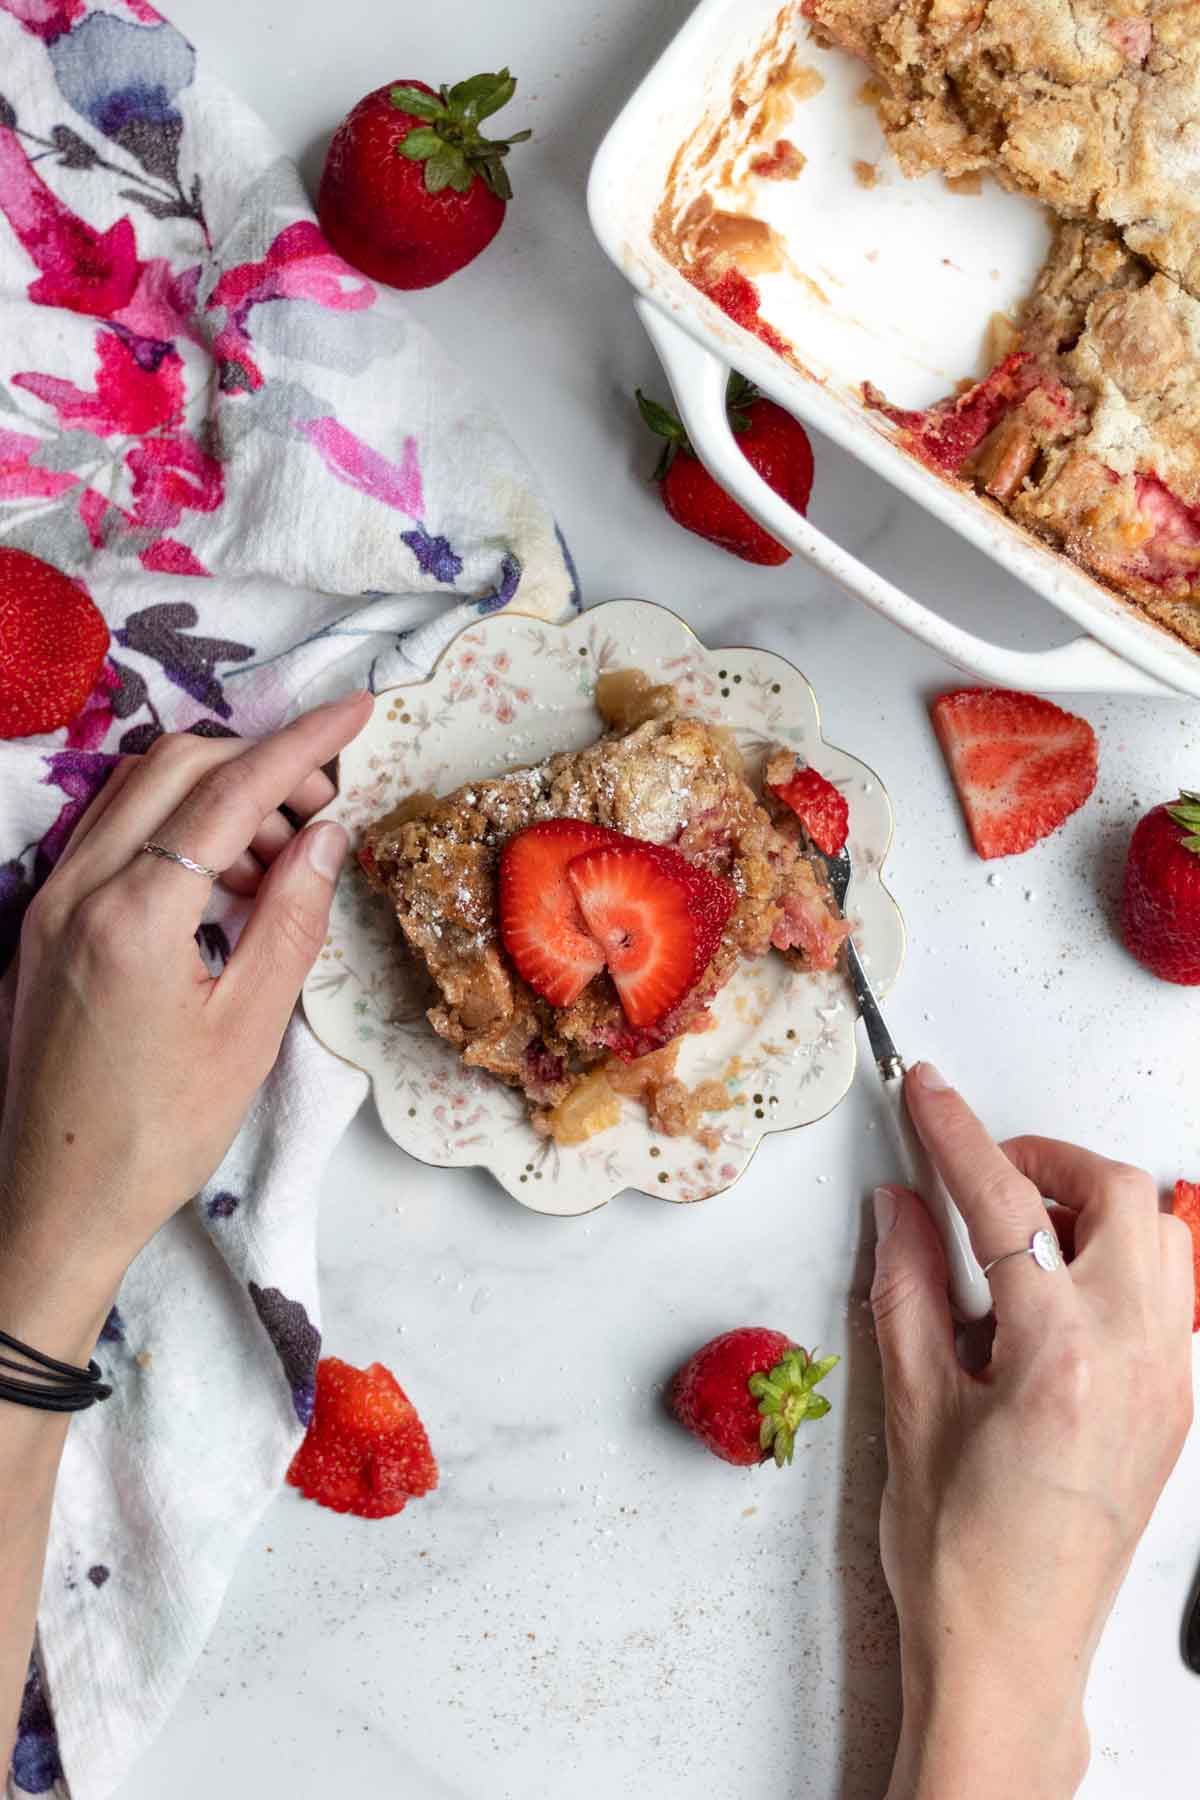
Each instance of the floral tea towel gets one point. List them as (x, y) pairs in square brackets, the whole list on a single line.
[(274, 487)]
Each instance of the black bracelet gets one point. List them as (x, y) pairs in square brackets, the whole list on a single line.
[(50, 1385)]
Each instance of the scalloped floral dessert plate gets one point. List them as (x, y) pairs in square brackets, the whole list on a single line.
[(511, 691)]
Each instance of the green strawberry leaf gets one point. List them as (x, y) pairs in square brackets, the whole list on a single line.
[(482, 95), (450, 143), (1186, 813), (660, 419), (740, 395), (442, 169), (501, 95), (496, 177), (664, 424), (422, 142), (786, 1398), (412, 100)]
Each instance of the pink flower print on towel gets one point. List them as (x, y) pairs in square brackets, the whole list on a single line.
[(396, 484), (129, 397), (20, 478), (298, 266), (82, 270)]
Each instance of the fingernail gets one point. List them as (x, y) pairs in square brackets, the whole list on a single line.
[(931, 1079), (326, 846), (885, 1211)]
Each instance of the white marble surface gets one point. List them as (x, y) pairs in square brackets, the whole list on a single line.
[(589, 1605)]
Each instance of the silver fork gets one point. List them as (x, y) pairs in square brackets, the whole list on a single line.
[(970, 1295)]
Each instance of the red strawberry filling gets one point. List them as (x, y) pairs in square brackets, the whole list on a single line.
[(808, 925), (945, 435), (1133, 37), (1173, 546), (544, 1071), (365, 1451)]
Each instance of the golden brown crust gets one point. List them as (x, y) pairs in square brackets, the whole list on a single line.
[(1091, 105), (670, 779)]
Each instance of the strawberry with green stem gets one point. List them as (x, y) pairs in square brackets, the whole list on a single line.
[(771, 441), (746, 1394), (412, 189)]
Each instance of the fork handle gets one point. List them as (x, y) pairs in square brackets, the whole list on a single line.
[(970, 1295)]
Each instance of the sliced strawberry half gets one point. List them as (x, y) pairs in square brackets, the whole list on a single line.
[(820, 808), (540, 922), (1021, 765), (656, 917), (366, 1450)]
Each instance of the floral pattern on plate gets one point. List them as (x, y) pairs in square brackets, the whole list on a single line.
[(511, 691)]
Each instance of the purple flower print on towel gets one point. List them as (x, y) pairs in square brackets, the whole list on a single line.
[(212, 941), (434, 555), (80, 774), (223, 1206), (297, 1343), (124, 79), (36, 1765), (113, 1329), (16, 891), (504, 590), (98, 1574), (162, 633)]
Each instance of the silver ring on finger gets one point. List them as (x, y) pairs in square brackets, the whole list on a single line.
[(1043, 1247), (185, 862)]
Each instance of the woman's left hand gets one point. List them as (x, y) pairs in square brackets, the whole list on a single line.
[(131, 1067)]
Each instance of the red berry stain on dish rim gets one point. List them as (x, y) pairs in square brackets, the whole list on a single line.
[(739, 299), (366, 1451)]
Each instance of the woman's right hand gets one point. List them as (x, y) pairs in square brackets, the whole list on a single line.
[(1015, 1498)]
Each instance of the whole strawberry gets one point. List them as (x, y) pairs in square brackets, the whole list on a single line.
[(1160, 906), (747, 1392), (53, 641), (771, 441), (412, 191)]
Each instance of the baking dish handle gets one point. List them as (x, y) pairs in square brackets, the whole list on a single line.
[(698, 379)]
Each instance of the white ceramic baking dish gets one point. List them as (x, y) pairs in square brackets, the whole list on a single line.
[(894, 284)]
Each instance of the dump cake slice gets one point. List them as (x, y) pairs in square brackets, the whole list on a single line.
[(578, 917), (1088, 430), (1090, 105)]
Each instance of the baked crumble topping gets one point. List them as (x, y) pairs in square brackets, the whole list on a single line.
[(659, 776), (1087, 428), (1092, 106)]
